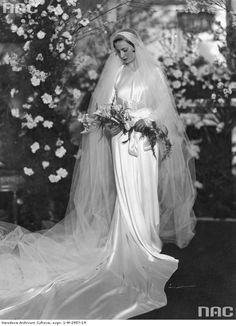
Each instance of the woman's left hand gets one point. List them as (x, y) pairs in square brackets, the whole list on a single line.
[(140, 125)]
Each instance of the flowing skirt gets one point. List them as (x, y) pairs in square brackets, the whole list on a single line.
[(131, 277)]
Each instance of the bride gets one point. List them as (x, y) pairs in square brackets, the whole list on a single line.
[(104, 260)]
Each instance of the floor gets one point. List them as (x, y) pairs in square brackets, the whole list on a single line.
[(206, 275)]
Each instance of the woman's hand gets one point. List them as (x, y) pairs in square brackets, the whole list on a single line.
[(140, 125), (112, 130)]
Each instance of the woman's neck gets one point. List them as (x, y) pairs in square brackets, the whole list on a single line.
[(132, 65)]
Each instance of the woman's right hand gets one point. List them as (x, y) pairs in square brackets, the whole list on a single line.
[(112, 130)]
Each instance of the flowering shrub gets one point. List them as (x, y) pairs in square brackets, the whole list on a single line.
[(49, 62), (202, 92)]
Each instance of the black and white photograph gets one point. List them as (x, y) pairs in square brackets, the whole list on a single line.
[(117, 161)]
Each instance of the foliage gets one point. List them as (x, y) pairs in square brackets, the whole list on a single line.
[(53, 68), (202, 92)]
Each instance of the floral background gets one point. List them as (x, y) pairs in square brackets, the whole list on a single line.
[(51, 72)]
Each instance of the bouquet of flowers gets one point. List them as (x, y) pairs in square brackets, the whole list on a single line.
[(116, 115)]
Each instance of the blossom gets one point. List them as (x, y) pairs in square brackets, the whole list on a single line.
[(35, 81), (48, 124), (187, 61), (76, 93), (67, 35), (15, 112), (13, 92), (39, 57), (79, 13), (58, 90), (41, 35), (34, 147), (62, 173), (65, 16), (26, 46), (213, 96), (45, 164), (198, 185), (20, 31), (28, 171), (60, 152), (14, 28), (71, 2), (176, 84), (168, 62), (47, 98), (177, 73), (54, 178), (47, 148), (59, 142), (84, 22), (92, 74), (58, 10), (60, 47), (38, 118)]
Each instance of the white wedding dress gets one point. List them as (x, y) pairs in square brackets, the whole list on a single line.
[(126, 277)]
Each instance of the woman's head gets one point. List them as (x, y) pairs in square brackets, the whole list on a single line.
[(125, 49), (124, 44)]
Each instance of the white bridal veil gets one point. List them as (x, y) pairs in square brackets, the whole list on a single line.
[(78, 244)]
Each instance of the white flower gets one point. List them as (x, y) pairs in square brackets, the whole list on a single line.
[(35, 81), (28, 171), (20, 31), (15, 112), (30, 99), (47, 148), (221, 101), (92, 74), (41, 35), (177, 73), (220, 85), (59, 142), (60, 152), (45, 164), (84, 22), (54, 178), (176, 84), (220, 127), (47, 98), (34, 147), (63, 56), (78, 13), (213, 96), (14, 28), (48, 124), (187, 61), (62, 173), (26, 46), (76, 93), (36, 3), (13, 92), (58, 10), (194, 150), (168, 62), (58, 90), (71, 2), (38, 118), (67, 35), (60, 47), (65, 16), (198, 185), (26, 106), (39, 57)]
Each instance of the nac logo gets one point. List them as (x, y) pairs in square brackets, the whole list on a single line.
[(215, 311)]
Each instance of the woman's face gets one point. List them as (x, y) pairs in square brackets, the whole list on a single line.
[(125, 51)]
